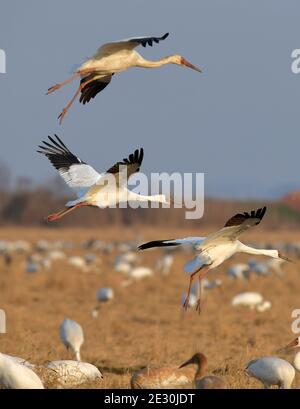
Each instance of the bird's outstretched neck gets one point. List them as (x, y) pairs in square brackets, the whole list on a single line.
[(242, 248), (142, 62)]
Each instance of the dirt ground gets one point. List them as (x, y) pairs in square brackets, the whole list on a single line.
[(144, 324)]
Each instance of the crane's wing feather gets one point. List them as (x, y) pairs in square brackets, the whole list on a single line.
[(128, 44), (194, 241), (236, 225), (93, 86), (147, 40), (76, 173), (246, 219), (198, 262), (128, 166)]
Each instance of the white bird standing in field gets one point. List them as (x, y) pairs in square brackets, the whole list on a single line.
[(247, 299), (103, 295), (217, 247), (295, 344), (272, 371), (112, 58), (276, 371), (14, 375), (92, 188), (239, 271), (164, 264), (71, 334)]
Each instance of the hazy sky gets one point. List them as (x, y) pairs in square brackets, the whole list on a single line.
[(238, 121)]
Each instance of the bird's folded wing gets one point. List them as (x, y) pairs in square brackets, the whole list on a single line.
[(199, 261), (76, 173), (127, 44), (124, 169), (236, 225)]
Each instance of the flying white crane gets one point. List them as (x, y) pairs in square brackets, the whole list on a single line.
[(112, 58), (93, 188), (15, 375), (217, 247), (71, 334)]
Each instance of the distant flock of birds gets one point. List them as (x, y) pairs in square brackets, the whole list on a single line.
[(17, 373)]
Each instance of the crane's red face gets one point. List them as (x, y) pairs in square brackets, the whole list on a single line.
[(184, 62)]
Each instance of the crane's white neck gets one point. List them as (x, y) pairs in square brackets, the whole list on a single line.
[(242, 248), (142, 62), (145, 198)]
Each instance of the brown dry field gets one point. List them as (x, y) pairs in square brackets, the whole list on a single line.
[(145, 323)]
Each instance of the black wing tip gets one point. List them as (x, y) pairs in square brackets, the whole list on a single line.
[(135, 157), (144, 41), (55, 144), (156, 243), (239, 218), (91, 88)]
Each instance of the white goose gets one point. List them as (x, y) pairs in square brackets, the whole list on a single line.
[(217, 247)]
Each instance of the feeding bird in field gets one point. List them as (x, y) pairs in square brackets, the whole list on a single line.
[(201, 381), (92, 188), (276, 371), (71, 334), (217, 247), (112, 58), (71, 373), (160, 377)]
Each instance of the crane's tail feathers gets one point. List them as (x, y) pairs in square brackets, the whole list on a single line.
[(158, 243)]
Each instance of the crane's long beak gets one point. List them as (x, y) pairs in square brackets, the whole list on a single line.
[(188, 64), (189, 362), (280, 255), (292, 344)]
